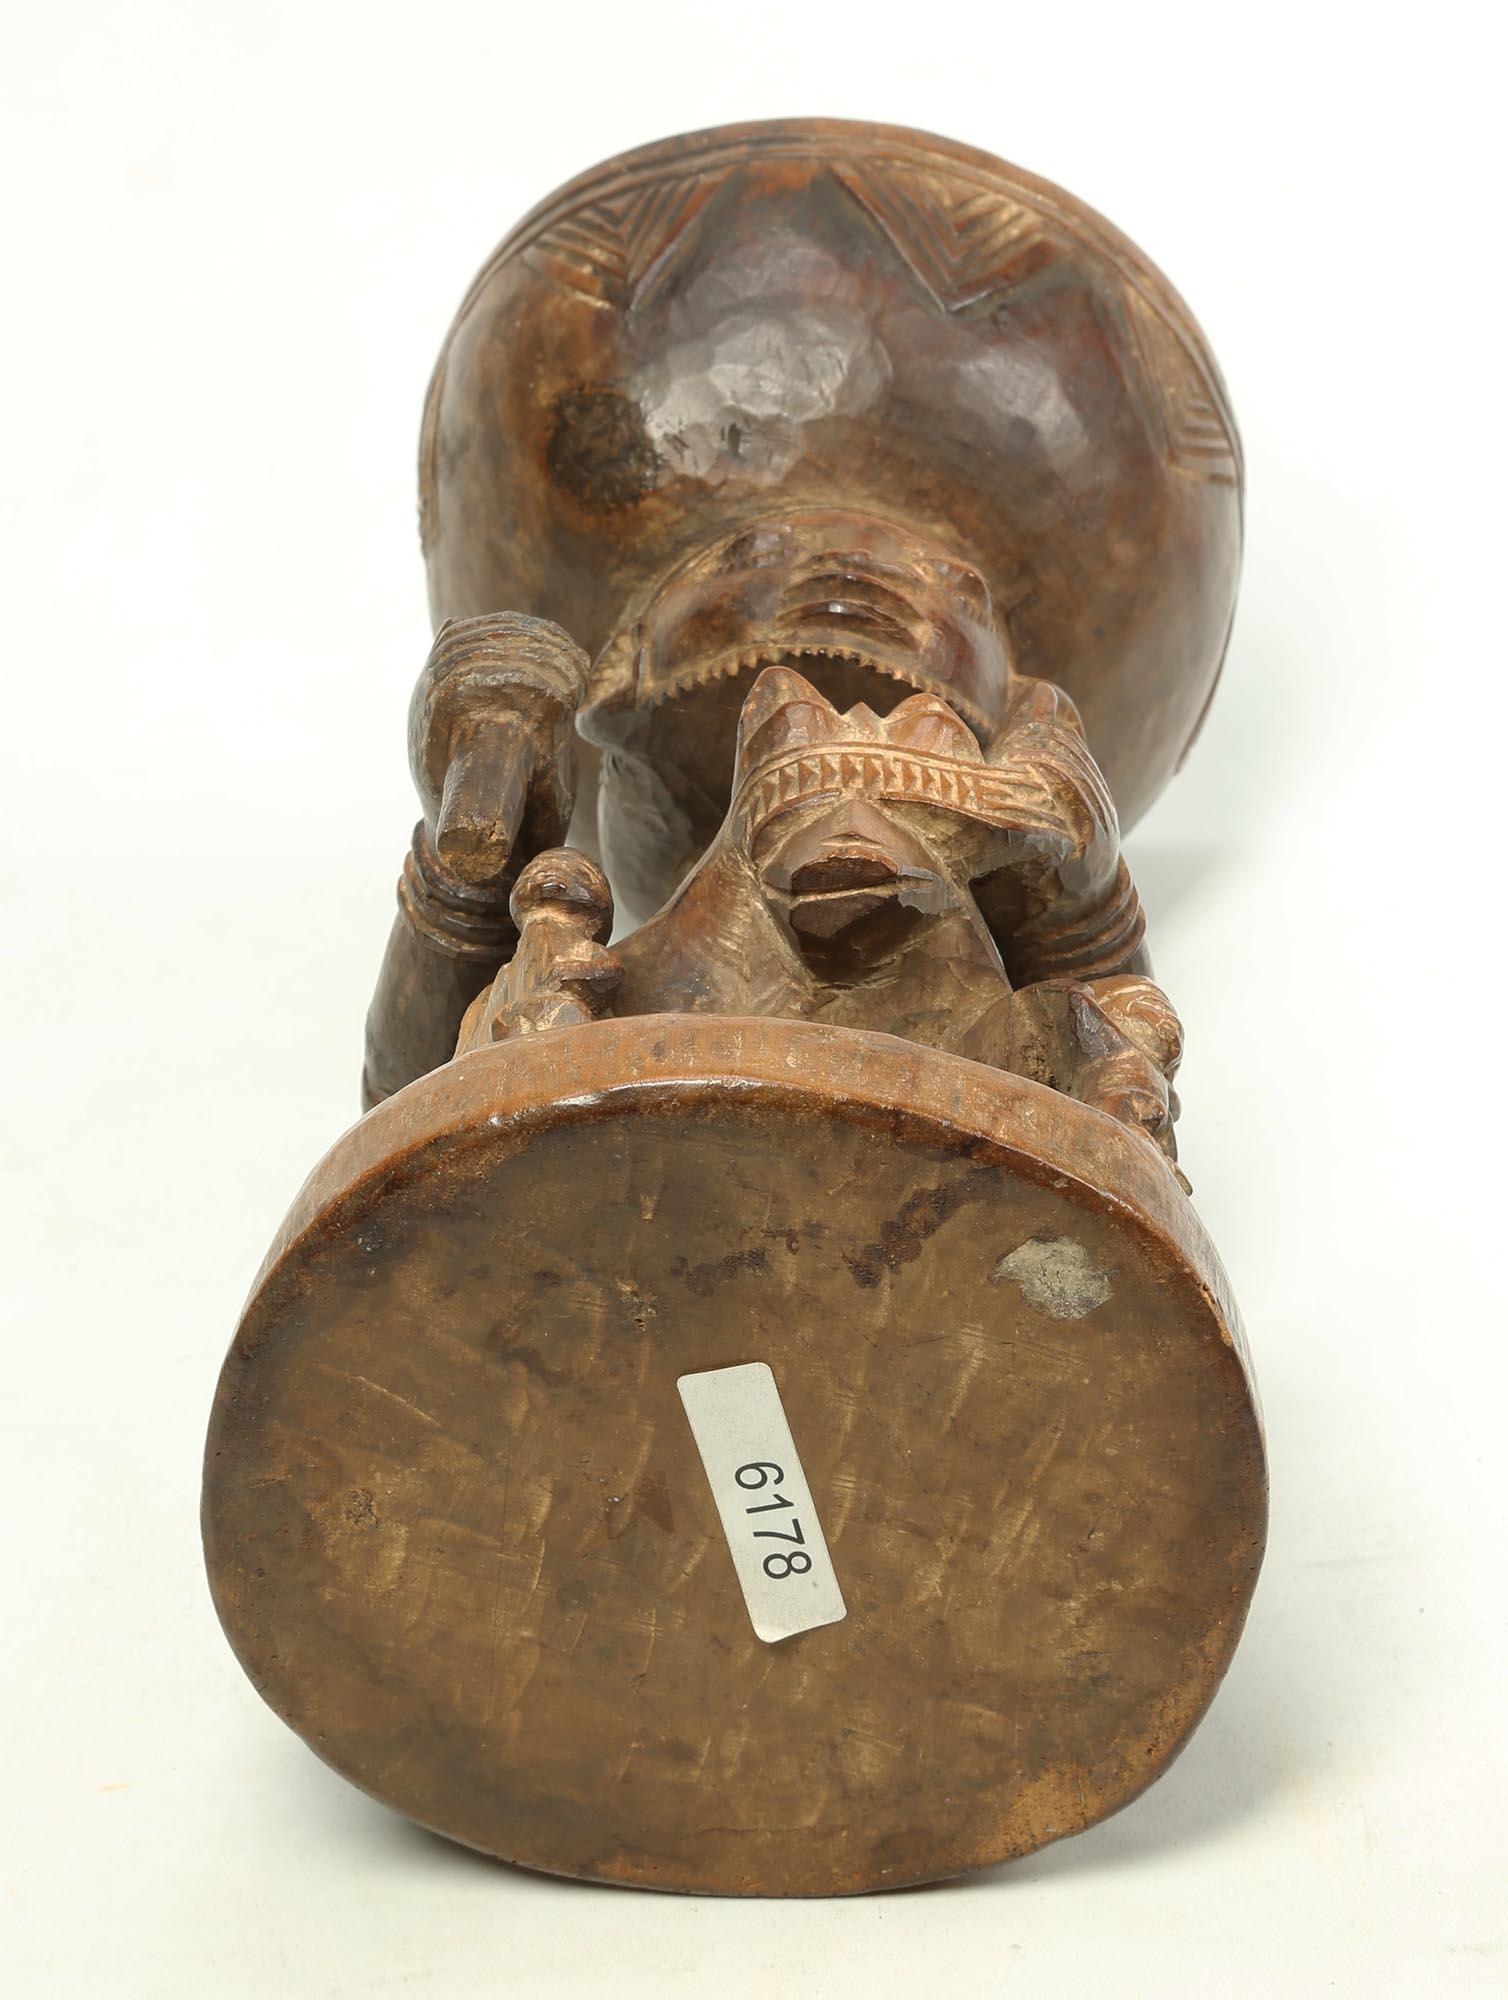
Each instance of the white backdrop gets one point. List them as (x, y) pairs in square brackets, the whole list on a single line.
[(234, 237)]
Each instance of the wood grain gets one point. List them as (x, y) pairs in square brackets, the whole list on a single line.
[(460, 1537)]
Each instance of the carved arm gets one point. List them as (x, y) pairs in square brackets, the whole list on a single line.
[(491, 748), (1062, 906)]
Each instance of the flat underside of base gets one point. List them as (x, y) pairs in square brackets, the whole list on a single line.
[(462, 1540)]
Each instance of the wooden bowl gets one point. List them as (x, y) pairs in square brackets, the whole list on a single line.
[(737, 323)]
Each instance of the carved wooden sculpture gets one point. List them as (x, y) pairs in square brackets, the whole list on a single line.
[(891, 503)]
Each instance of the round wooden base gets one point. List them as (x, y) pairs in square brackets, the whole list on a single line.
[(461, 1538)]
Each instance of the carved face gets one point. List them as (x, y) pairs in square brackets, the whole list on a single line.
[(859, 870), (865, 611), (852, 884), (822, 586)]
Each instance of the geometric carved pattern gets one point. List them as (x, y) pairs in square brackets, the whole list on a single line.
[(965, 241), (610, 245), (1195, 434), (962, 224), (975, 790), (961, 240)]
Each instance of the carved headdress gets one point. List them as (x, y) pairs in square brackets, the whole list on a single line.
[(795, 747)]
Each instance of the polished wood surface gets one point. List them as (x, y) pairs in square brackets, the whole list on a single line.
[(855, 520), (736, 324), (460, 1537)]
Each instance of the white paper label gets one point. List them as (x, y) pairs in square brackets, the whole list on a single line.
[(763, 1500)]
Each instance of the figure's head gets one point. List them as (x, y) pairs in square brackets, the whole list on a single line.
[(864, 610), (821, 587), (855, 824)]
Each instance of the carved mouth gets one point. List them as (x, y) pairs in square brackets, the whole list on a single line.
[(842, 866), (846, 935), (816, 589), (843, 885), (826, 913)]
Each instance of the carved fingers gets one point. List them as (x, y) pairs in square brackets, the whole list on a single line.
[(491, 742)]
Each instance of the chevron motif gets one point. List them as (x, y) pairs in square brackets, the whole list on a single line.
[(964, 233), (971, 788), (610, 246), (960, 239), (1195, 433)]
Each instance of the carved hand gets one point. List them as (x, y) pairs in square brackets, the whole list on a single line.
[(491, 743), (492, 749), (1064, 799), (1064, 905)]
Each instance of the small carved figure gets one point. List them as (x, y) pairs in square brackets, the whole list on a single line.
[(561, 974)]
